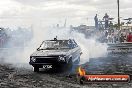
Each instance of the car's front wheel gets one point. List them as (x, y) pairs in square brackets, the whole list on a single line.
[(70, 63), (36, 69)]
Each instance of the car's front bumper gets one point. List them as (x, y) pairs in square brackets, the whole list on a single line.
[(41, 64)]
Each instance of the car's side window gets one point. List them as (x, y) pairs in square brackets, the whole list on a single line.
[(74, 43), (70, 44)]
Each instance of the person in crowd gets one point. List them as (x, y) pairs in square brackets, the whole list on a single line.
[(124, 34), (106, 19), (115, 38), (109, 38), (122, 38), (112, 37), (106, 33), (96, 21), (129, 37)]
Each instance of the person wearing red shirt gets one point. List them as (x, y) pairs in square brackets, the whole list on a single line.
[(129, 37)]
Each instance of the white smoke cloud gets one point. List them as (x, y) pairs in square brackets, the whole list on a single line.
[(90, 47)]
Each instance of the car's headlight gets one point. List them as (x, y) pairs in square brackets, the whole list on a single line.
[(61, 58), (33, 59)]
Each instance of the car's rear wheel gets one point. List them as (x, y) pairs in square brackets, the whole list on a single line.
[(36, 69)]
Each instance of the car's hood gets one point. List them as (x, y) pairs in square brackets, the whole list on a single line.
[(50, 52)]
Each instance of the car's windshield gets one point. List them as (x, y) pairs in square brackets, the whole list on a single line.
[(59, 44)]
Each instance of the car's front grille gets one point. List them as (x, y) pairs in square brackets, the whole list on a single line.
[(46, 59)]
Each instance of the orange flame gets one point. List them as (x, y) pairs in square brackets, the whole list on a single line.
[(81, 71)]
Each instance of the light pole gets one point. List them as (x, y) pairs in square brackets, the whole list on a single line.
[(118, 3)]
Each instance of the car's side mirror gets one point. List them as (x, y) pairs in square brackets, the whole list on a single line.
[(37, 49)]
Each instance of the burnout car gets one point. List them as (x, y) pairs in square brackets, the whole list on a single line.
[(55, 54)]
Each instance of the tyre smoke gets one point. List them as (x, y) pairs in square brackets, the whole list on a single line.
[(90, 48)]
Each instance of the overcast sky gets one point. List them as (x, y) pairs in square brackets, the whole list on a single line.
[(51, 12)]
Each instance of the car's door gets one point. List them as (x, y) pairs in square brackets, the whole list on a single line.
[(75, 51)]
